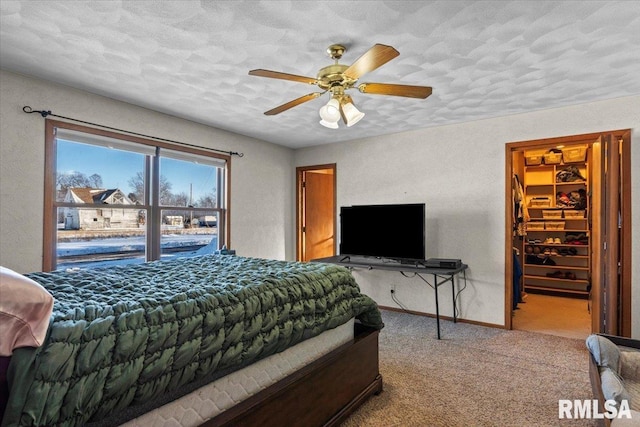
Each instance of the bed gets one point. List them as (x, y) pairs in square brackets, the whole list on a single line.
[(127, 342)]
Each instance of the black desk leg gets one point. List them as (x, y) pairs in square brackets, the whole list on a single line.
[(453, 296), (435, 289)]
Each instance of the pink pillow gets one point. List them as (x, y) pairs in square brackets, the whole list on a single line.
[(25, 309)]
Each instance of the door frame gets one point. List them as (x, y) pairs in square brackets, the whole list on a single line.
[(623, 312), (300, 219)]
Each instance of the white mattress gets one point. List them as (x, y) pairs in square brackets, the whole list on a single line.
[(212, 399)]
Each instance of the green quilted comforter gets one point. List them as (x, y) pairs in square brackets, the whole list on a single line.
[(125, 336)]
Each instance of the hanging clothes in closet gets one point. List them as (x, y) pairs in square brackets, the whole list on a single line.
[(517, 275), (520, 211)]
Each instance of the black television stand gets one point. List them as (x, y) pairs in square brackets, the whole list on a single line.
[(441, 275)]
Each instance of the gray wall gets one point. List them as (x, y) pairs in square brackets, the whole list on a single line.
[(459, 172), (262, 181)]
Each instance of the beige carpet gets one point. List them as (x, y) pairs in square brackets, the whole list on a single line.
[(474, 376)]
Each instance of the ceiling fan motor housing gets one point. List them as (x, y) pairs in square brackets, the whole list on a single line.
[(333, 75)]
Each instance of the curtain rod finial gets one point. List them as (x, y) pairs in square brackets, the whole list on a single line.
[(30, 110)]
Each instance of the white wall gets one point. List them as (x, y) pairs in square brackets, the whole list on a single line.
[(459, 172), (262, 181)]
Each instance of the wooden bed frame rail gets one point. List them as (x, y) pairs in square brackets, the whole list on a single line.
[(323, 393)]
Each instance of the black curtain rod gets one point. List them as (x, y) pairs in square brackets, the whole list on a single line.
[(45, 114)]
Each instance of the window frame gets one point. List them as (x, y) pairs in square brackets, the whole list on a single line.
[(154, 219)]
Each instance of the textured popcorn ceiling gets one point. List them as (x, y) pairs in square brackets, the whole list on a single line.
[(191, 58)]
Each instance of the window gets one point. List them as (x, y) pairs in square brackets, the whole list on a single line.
[(118, 199)]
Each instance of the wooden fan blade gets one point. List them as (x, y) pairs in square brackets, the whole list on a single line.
[(395, 90), (291, 104), (282, 76), (375, 57)]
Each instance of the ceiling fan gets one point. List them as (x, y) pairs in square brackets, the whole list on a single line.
[(339, 78)]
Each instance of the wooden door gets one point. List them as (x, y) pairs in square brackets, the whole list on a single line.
[(612, 225), (625, 234), (596, 213), (316, 212), (605, 225)]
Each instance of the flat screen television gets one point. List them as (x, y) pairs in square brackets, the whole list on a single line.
[(384, 231)]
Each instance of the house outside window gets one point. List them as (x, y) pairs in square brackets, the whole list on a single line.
[(118, 199)]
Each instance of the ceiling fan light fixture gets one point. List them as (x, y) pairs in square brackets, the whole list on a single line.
[(351, 114), (330, 125), (331, 111), (333, 107)]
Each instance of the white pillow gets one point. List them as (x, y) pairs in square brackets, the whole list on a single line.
[(25, 309)]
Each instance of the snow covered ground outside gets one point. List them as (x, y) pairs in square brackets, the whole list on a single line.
[(135, 245)]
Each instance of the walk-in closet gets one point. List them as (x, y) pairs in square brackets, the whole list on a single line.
[(552, 229), (563, 197)]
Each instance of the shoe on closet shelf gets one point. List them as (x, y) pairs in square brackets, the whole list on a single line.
[(548, 261), (557, 241), (571, 237), (548, 240)]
